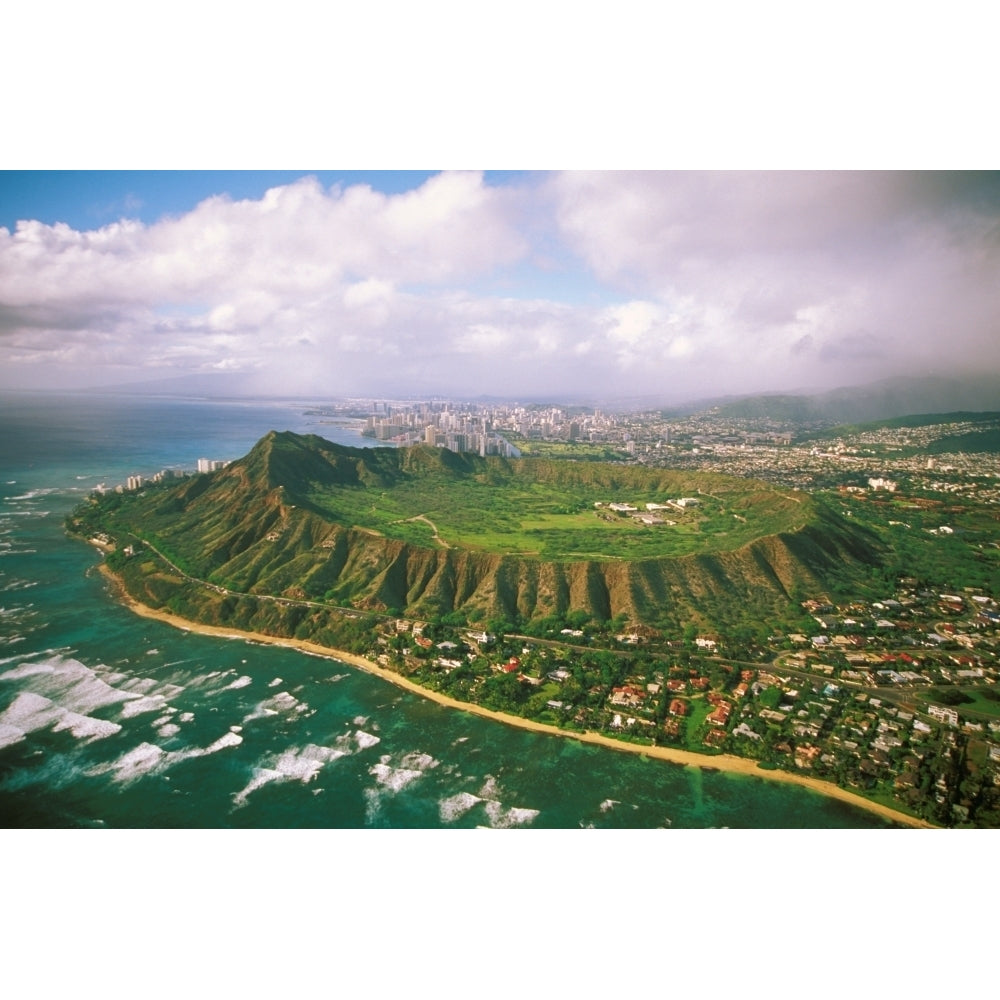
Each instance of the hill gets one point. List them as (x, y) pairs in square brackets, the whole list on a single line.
[(876, 401), (424, 531)]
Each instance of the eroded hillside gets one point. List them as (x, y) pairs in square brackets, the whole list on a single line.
[(425, 531)]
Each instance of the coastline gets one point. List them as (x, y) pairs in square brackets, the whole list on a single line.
[(720, 762)]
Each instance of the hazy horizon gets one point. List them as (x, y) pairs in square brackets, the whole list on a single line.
[(668, 285)]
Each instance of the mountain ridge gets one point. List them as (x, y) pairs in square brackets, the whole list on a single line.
[(260, 526)]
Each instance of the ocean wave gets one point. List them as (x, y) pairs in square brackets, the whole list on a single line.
[(240, 682), (411, 767), (26, 669), (490, 789), (79, 688), (373, 805), (229, 739), (33, 494), (281, 703), (63, 693), (504, 819), (24, 610), (149, 758), (153, 703), (261, 777), (295, 764), (86, 727), (394, 779), (419, 761), (137, 685), (10, 734), (365, 740), (167, 730), (456, 806), (609, 804), (31, 712), (134, 764)]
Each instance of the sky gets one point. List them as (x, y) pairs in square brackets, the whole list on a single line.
[(573, 284)]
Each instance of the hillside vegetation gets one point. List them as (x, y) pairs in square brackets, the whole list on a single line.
[(425, 531)]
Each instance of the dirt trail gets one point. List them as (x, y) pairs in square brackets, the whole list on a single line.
[(427, 520)]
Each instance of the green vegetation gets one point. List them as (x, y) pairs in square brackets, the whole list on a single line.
[(539, 600), (429, 532), (964, 555), (577, 451), (548, 510), (896, 423), (987, 441)]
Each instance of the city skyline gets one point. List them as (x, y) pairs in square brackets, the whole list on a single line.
[(664, 284)]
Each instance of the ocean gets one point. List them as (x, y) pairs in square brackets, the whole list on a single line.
[(109, 720)]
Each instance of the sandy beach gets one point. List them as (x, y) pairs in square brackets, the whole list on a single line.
[(719, 762)]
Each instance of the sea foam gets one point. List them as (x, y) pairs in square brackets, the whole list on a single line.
[(132, 765), (456, 806), (10, 734), (503, 819), (71, 684), (393, 779), (85, 727), (155, 703), (229, 739), (281, 703), (30, 712), (295, 764), (411, 767)]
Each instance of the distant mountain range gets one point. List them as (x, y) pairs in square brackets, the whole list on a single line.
[(884, 400)]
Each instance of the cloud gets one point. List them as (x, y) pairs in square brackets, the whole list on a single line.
[(691, 283), (772, 270)]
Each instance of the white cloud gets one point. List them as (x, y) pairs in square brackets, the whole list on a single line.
[(698, 282), (800, 274)]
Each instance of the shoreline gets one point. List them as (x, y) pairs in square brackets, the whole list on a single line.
[(686, 758)]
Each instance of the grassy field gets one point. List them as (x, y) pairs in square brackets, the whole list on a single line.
[(560, 521)]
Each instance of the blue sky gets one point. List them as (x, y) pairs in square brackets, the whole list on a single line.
[(88, 199), (572, 284)]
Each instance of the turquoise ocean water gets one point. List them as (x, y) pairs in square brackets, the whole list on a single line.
[(111, 720)]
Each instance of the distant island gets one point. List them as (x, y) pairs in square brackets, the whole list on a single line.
[(663, 609)]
